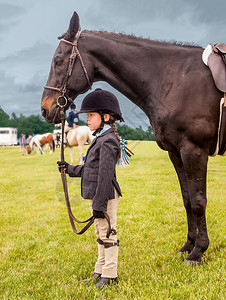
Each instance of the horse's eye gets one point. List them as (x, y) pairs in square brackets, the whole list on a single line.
[(58, 62)]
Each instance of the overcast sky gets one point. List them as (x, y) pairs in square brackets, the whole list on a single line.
[(29, 31)]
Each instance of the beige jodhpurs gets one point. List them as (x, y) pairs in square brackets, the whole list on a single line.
[(106, 264)]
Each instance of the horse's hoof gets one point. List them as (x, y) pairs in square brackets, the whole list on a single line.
[(181, 253), (188, 262)]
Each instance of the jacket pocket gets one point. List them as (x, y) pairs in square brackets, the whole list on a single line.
[(92, 177)]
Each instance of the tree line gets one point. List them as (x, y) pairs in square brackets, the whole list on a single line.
[(35, 124)]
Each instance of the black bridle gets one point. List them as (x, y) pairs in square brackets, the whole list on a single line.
[(63, 90)]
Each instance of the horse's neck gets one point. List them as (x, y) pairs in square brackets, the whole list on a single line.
[(124, 62), (31, 142), (140, 69)]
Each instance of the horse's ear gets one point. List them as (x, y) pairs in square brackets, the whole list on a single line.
[(73, 28)]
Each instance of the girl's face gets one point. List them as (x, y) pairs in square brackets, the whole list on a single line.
[(94, 120)]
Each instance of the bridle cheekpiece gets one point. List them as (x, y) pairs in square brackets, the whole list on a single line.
[(63, 90)]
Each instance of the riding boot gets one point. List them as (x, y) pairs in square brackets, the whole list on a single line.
[(94, 278), (105, 281)]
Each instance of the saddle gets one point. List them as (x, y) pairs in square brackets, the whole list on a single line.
[(217, 64)]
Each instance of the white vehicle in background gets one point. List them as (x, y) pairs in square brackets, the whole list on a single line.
[(8, 136)]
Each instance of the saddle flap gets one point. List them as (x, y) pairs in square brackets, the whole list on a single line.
[(218, 70)]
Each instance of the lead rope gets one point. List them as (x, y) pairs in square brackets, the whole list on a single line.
[(64, 182)]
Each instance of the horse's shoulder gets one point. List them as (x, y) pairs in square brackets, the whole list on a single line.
[(83, 128)]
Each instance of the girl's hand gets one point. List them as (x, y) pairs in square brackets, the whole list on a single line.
[(62, 164), (98, 214)]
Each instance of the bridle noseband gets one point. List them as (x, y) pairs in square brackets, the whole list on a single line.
[(64, 90)]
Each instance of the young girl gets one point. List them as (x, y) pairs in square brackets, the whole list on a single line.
[(98, 180)]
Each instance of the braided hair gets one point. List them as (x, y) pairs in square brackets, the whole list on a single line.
[(112, 123), (124, 153)]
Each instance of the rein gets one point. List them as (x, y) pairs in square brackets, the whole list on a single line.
[(63, 90), (72, 218)]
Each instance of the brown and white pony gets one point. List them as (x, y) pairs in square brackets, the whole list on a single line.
[(41, 140), (78, 136)]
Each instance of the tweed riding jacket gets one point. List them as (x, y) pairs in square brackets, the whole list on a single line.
[(98, 176)]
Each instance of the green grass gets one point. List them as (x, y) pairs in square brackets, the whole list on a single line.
[(41, 257)]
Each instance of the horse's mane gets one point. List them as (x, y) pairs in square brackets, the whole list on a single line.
[(131, 38)]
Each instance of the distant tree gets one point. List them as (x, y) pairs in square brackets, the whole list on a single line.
[(82, 123), (14, 120), (32, 124), (135, 134), (36, 124), (4, 119), (150, 134)]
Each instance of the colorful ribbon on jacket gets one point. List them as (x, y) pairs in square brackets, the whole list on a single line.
[(125, 154)]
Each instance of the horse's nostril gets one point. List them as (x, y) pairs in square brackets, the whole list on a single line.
[(44, 112)]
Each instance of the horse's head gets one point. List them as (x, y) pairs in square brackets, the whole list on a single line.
[(70, 73)]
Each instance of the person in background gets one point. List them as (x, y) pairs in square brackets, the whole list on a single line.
[(29, 138), (20, 142), (23, 143), (58, 140), (73, 117)]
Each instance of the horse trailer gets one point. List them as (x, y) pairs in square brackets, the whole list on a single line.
[(8, 136)]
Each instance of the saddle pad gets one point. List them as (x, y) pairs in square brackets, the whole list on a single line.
[(207, 51)]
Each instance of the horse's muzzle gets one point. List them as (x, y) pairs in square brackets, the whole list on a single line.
[(44, 112)]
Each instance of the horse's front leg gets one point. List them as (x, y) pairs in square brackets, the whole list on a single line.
[(50, 148), (81, 154), (41, 149), (195, 165), (71, 154), (191, 219)]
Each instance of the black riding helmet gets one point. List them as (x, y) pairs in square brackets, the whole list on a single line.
[(103, 102)]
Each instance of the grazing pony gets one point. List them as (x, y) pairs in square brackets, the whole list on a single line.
[(78, 136), (41, 140), (170, 83)]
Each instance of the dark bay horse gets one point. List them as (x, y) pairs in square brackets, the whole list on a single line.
[(170, 83)]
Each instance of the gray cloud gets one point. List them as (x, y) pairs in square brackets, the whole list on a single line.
[(10, 11), (9, 15)]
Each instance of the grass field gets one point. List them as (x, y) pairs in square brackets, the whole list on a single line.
[(41, 257)]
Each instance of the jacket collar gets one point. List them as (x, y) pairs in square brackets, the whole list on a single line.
[(105, 128), (110, 130), (105, 132)]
